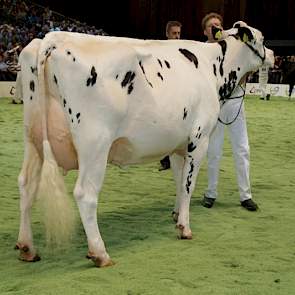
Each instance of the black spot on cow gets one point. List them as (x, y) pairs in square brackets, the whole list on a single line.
[(229, 85), (130, 88), (160, 63), (188, 184), (34, 70), (70, 111), (74, 59), (31, 97), (142, 68), (68, 52), (223, 46), (214, 69), (55, 79), (191, 147), (160, 76), (78, 117), (167, 64), (72, 121), (190, 56), (239, 69), (92, 79), (32, 85), (199, 136), (65, 102), (117, 76), (49, 50), (184, 113), (143, 71), (129, 76), (190, 175), (191, 167), (199, 128)]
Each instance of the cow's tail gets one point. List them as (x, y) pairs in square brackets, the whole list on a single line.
[(56, 206)]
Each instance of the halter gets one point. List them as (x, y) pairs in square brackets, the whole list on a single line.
[(256, 52)]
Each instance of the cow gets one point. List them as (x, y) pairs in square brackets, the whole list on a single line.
[(90, 100)]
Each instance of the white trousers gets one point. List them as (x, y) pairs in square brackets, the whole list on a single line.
[(263, 78), (240, 147)]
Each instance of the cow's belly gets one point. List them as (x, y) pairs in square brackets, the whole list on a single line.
[(59, 136), (142, 142), (123, 153)]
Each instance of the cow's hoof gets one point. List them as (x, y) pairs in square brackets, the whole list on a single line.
[(26, 254), (184, 234), (100, 262), (175, 216)]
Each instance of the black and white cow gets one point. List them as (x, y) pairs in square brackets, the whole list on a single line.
[(92, 100)]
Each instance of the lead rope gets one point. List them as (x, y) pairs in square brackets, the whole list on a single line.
[(240, 107)]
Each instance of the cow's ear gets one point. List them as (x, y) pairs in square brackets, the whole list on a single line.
[(245, 34), (216, 33)]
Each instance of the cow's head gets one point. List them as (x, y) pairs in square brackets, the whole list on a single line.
[(252, 38)]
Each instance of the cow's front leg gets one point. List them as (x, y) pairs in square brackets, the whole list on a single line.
[(92, 166), (196, 151)]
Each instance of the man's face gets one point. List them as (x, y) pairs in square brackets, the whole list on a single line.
[(208, 28), (173, 33)]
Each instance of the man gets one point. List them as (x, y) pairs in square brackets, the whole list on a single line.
[(231, 115), (263, 78), (173, 29)]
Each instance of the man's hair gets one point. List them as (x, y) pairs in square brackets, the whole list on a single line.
[(209, 16), (172, 23)]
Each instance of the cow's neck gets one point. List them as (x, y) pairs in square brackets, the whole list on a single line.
[(230, 65)]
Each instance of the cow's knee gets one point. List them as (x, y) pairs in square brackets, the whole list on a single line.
[(78, 192), (22, 180)]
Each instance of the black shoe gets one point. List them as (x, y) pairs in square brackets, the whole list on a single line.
[(249, 205), (262, 98), (165, 163), (207, 202), (267, 96)]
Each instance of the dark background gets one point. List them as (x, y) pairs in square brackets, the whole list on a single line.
[(147, 18)]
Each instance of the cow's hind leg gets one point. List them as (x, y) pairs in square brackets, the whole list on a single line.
[(196, 151), (92, 166), (177, 164), (28, 181)]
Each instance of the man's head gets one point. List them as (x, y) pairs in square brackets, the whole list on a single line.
[(210, 20), (173, 30)]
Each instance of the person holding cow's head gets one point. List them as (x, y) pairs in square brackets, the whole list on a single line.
[(231, 115), (209, 21), (173, 29)]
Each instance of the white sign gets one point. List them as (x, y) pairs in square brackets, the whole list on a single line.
[(272, 89)]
